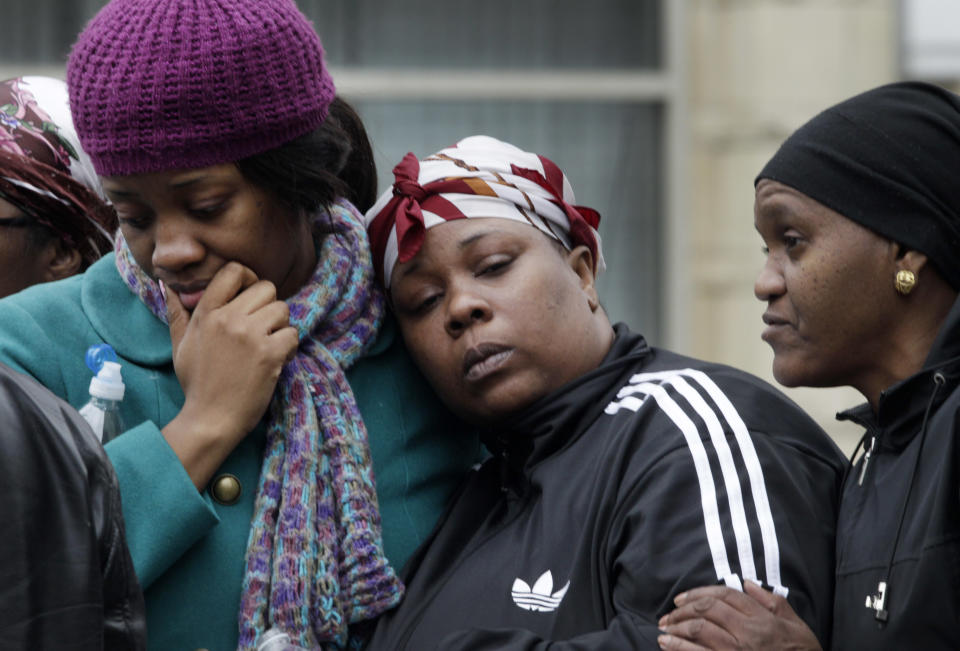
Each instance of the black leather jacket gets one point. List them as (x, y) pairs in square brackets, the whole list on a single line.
[(66, 578)]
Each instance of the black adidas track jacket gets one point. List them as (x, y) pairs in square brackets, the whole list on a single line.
[(652, 474)]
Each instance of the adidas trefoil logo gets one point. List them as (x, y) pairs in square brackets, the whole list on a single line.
[(538, 599)]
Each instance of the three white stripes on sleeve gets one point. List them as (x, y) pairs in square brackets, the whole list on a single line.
[(652, 385)]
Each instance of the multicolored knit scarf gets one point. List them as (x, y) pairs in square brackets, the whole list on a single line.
[(315, 561)]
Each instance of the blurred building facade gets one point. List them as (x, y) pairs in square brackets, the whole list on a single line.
[(660, 111), (758, 69)]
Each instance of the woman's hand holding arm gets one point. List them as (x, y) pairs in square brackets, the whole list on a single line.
[(228, 356), (718, 618)]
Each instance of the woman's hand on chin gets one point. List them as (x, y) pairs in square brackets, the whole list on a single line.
[(720, 618), (227, 355)]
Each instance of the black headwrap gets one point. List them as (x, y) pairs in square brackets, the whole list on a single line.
[(889, 159)]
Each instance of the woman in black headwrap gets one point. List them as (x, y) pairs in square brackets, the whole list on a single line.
[(54, 221), (860, 214)]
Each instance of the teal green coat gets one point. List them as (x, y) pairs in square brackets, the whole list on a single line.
[(188, 550)]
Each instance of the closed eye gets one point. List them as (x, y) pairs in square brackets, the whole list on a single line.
[(427, 303), (208, 211), (139, 219), (492, 267), (417, 305)]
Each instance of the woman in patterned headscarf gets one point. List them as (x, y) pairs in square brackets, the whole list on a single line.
[(54, 221), (620, 474)]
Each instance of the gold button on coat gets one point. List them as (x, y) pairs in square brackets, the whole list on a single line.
[(226, 489)]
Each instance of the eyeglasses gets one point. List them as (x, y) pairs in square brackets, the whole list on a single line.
[(17, 222)]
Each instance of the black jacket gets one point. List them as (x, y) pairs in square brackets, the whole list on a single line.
[(66, 578), (901, 526), (650, 475)]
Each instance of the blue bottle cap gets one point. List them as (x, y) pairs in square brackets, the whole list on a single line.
[(97, 354)]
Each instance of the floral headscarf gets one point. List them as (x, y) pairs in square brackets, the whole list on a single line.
[(43, 170)]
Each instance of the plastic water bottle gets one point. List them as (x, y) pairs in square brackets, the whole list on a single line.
[(102, 412), (273, 639)]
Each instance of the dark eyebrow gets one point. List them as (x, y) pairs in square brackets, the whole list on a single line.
[(464, 243), (414, 265), (776, 210), (119, 193), (176, 184)]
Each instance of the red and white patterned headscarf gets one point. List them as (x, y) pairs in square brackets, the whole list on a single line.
[(480, 176)]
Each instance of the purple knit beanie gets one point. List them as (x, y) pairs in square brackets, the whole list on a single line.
[(179, 84)]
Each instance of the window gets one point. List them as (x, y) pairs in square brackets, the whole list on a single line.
[(930, 41), (593, 86)]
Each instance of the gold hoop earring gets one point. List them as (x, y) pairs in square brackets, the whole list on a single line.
[(905, 281)]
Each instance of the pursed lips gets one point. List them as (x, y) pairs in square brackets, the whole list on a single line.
[(774, 320), (774, 323), (483, 359)]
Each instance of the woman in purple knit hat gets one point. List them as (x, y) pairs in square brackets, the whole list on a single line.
[(264, 384)]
